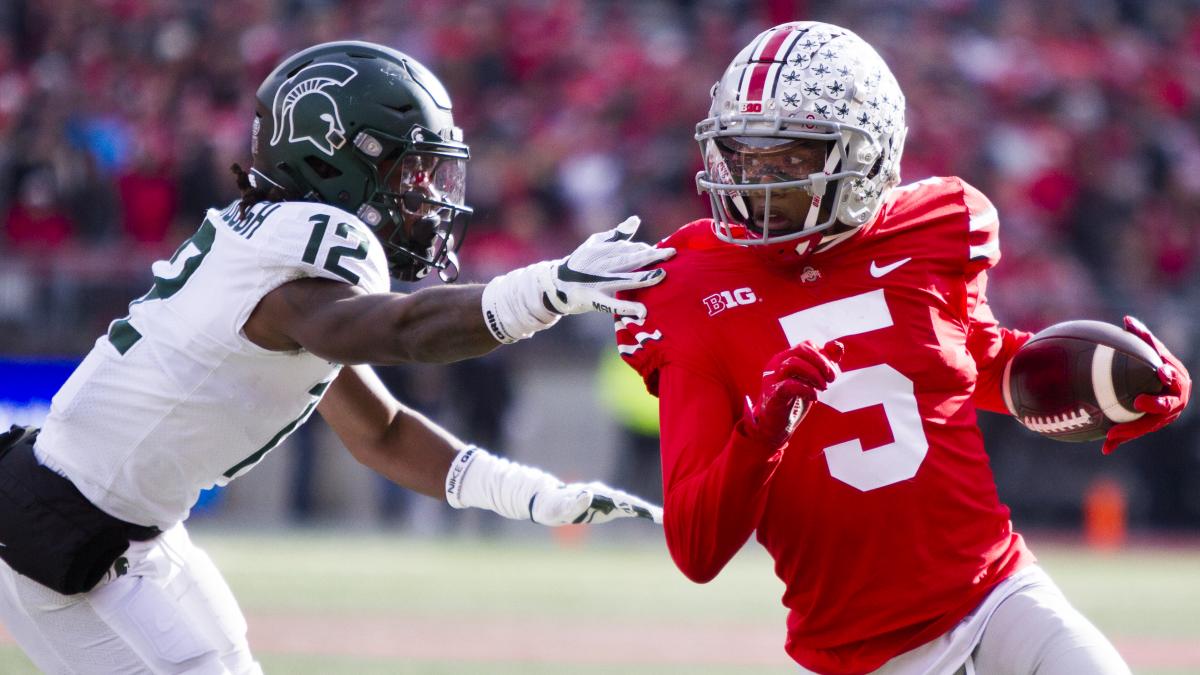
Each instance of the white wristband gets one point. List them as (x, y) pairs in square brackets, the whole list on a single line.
[(512, 303), (479, 479)]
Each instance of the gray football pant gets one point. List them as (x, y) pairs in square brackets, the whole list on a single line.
[(1037, 632)]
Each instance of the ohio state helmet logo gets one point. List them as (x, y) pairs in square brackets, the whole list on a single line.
[(308, 113)]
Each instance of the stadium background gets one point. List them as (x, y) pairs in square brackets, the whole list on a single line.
[(1079, 118)]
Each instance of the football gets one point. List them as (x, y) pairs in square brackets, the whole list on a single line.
[(1074, 380)]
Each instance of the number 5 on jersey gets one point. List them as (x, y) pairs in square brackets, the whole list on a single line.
[(863, 387)]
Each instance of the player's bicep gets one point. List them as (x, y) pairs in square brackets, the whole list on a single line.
[(321, 316), (990, 345), (695, 412), (312, 259)]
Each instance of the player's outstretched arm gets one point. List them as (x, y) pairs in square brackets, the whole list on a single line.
[(344, 324), (414, 452)]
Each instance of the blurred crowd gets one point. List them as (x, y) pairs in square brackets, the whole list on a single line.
[(1079, 118)]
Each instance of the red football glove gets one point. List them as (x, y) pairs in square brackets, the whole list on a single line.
[(1162, 408), (791, 380)]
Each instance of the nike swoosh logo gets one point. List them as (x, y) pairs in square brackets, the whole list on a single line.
[(567, 274), (877, 271)]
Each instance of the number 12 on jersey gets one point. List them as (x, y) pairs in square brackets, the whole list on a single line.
[(336, 253), (880, 384)]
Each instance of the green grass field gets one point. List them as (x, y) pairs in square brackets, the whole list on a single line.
[(337, 603)]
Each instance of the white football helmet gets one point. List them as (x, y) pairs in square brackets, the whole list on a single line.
[(796, 83)]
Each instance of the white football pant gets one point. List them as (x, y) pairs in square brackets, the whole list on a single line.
[(172, 612)]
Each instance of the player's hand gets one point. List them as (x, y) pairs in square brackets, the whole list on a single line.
[(588, 279), (482, 480), (791, 380), (524, 301), (577, 503), (1162, 408)]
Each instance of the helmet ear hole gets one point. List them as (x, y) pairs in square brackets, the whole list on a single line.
[(321, 167)]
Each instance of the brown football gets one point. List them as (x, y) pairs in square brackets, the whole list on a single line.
[(1074, 380)]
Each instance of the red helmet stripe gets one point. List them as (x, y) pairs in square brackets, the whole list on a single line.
[(758, 78), (765, 59), (770, 49)]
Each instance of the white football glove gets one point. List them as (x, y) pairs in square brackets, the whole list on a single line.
[(518, 304), (603, 264), (481, 480), (576, 503)]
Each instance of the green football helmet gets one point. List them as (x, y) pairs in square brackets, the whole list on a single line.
[(368, 129)]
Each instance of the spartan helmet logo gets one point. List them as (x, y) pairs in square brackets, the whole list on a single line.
[(302, 106)]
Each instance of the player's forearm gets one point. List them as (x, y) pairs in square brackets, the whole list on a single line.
[(414, 453), (382, 434), (433, 325), (715, 478), (989, 384), (417, 454), (441, 324), (709, 515)]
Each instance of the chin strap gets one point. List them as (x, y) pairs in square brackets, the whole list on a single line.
[(449, 273), (830, 240)]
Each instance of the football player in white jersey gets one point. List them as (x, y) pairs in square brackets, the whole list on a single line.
[(267, 313)]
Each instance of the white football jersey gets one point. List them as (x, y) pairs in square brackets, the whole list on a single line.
[(174, 398)]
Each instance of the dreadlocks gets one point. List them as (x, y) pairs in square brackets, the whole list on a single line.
[(252, 194)]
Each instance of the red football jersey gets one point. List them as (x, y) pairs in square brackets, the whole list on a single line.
[(881, 512)]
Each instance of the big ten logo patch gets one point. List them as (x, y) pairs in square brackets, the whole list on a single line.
[(719, 302)]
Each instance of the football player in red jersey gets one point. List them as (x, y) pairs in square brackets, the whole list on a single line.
[(820, 348)]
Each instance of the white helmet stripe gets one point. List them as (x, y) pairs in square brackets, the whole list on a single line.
[(773, 80), (769, 46), (756, 50), (762, 73), (789, 46), (760, 43), (781, 58)]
